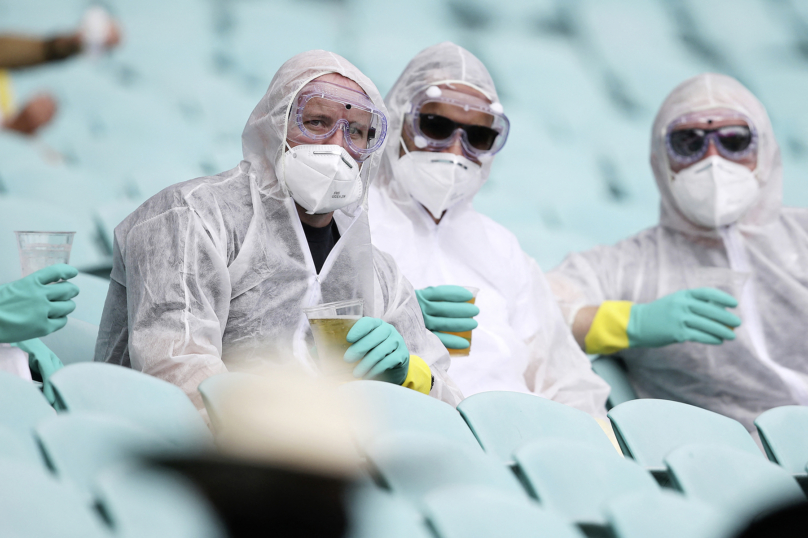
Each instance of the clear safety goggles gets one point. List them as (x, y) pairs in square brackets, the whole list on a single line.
[(735, 142), (321, 108), (431, 130)]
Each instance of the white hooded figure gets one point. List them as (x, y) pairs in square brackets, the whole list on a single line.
[(723, 234), (212, 275), (421, 212)]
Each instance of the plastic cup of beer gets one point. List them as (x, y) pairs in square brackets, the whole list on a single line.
[(42, 249), (330, 323), (464, 334)]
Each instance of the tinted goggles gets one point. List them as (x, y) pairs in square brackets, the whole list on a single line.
[(689, 145)]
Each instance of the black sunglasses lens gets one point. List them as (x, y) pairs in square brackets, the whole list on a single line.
[(436, 127), (735, 138), (480, 137), (687, 142)]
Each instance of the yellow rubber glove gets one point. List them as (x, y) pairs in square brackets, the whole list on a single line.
[(607, 334), (419, 376)]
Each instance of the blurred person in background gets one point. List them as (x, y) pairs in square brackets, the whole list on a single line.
[(212, 274), (446, 126), (31, 307), (97, 33), (661, 297)]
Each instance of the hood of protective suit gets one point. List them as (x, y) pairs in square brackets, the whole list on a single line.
[(441, 63), (263, 139), (704, 92)]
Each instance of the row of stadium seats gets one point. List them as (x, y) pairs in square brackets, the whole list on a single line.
[(505, 461)]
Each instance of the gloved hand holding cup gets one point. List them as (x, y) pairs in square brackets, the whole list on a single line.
[(448, 311), (378, 351)]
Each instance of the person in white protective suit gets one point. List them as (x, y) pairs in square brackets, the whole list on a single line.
[(446, 124), (724, 241), (212, 274)]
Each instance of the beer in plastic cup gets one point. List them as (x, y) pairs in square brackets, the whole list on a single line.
[(42, 249), (464, 334), (330, 323)]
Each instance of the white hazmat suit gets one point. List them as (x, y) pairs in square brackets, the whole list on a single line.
[(212, 274), (522, 343), (762, 260)]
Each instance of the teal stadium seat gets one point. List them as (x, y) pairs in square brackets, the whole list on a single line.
[(733, 481), (389, 408), (478, 512), (665, 515), (613, 371), (78, 446), (34, 503), (91, 298), (577, 481), (14, 448), (414, 464), (649, 429), (216, 388), (151, 403), (503, 421), (784, 434), (141, 502), (373, 513), (73, 343), (22, 407)]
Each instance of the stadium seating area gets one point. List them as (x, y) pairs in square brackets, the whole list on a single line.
[(541, 469)]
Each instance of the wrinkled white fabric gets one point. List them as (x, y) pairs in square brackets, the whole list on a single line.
[(211, 274), (733, 378), (14, 361), (522, 343)]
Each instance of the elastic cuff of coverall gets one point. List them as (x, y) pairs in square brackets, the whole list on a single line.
[(607, 334), (419, 376)]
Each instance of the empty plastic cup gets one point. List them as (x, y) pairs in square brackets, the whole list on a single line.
[(465, 334), (330, 323), (41, 249)]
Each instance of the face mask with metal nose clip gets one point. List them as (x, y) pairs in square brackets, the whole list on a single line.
[(321, 178), (714, 191), (438, 180)]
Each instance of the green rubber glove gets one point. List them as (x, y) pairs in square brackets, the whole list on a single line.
[(42, 361), (445, 309), (382, 351), (30, 308), (696, 315)]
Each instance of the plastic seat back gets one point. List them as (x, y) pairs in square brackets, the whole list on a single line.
[(731, 480), (79, 446), (22, 406), (387, 408), (373, 513), (648, 429), (613, 371), (14, 448), (75, 342), (478, 512), (151, 403), (159, 504), (504, 421), (784, 434), (216, 389), (578, 481), (414, 464), (34, 503)]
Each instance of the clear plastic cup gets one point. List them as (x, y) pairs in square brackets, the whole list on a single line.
[(330, 323), (465, 334), (41, 249)]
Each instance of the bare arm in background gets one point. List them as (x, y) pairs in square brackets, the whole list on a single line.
[(17, 51)]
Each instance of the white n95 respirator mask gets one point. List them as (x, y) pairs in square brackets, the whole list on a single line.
[(321, 178), (438, 180), (714, 191)]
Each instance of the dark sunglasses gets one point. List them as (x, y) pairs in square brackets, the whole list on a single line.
[(733, 139), (441, 128)]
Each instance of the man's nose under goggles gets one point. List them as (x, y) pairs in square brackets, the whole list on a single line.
[(321, 108), (733, 142), (436, 132)]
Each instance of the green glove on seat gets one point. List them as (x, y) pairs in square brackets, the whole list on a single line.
[(30, 308), (382, 351), (445, 308), (42, 361), (696, 315)]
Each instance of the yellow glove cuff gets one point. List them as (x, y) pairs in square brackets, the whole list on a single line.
[(6, 95), (419, 376), (607, 334)]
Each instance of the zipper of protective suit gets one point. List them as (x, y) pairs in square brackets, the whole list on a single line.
[(739, 261)]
